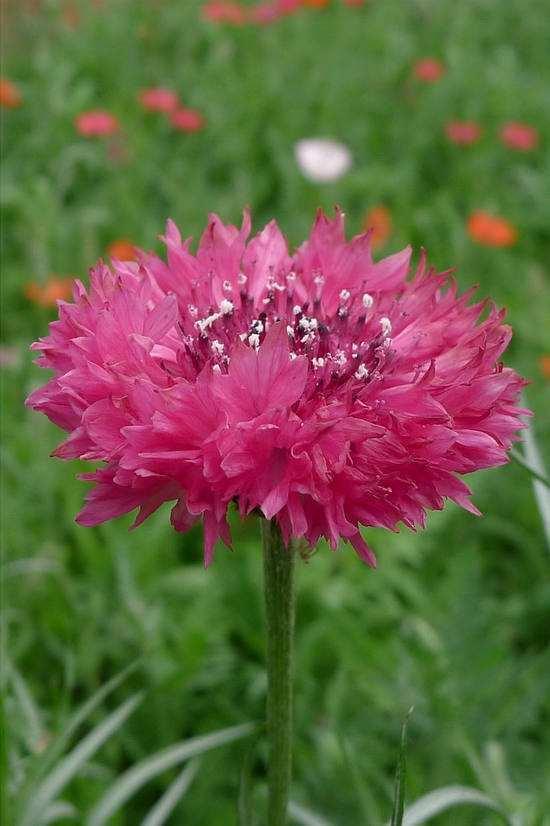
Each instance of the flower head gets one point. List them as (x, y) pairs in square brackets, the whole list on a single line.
[(158, 99), (463, 132), (490, 230), (96, 123), (225, 11), (10, 96), (519, 136), (187, 120), (322, 160), (321, 388), (50, 292), (378, 221), (429, 70)]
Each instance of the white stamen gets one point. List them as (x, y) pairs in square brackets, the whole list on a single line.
[(290, 331), (254, 340), (292, 356), (345, 295), (216, 368), (192, 310), (204, 323), (340, 358), (241, 278), (256, 326), (228, 286), (291, 276), (217, 347), (318, 362), (368, 301), (361, 372), (385, 323), (296, 310), (226, 306)]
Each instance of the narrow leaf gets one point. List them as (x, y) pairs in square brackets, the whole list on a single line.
[(164, 807), (73, 762), (57, 746), (542, 493), (133, 779), (31, 714), (400, 774), (304, 816), (445, 798), (58, 811)]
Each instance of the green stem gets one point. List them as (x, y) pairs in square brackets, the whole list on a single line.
[(279, 603)]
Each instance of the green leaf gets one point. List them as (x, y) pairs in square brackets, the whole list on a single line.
[(445, 798), (73, 762), (58, 811), (30, 711), (400, 775), (133, 779), (304, 816), (164, 807), (47, 759)]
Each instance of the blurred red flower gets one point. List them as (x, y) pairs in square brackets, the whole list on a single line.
[(463, 132), (187, 120), (159, 100), (519, 136), (490, 230), (10, 96), (378, 220), (96, 123), (225, 11), (122, 250), (50, 292), (429, 70)]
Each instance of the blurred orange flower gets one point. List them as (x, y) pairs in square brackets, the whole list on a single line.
[(122, 250), (47, 294), (315, 4), (10, 96), (490, 230), (158, 100), (544, 366), (429, 69), (519, 136), (463, 132), (378, 219), (187, 120), (96, 123)]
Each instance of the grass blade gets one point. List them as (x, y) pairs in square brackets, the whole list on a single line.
[(304, 816), (58, 745), (164, 807), (542, 493), (58, 811), (400, 775), (129, 782), (73, 762), (445, 798), (29, 709)]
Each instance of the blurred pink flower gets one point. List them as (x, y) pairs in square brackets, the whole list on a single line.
[(464, 132), (429, 69), (96, 123), (324, 389), (519, 136), (159, 99), (187, 120), (225, 11)]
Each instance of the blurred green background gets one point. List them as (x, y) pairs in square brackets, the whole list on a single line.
[(456, 620)]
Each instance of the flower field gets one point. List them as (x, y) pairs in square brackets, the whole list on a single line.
[(426, 122)]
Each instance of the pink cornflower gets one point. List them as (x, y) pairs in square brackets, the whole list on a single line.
[(158, 99), (429, 70), (464, 132), (187, 120), (96, 123), (519, 136), (321, 388)]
